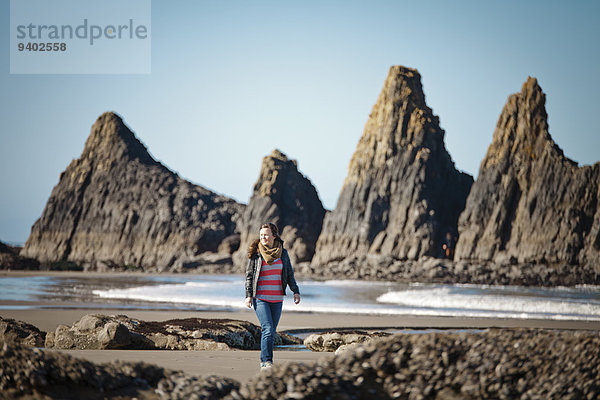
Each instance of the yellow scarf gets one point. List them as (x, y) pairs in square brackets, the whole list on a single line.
[(270, 254)]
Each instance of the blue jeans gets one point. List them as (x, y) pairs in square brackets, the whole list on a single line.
[(268, 314)]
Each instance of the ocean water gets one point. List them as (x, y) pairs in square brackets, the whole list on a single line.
[(226, 292)]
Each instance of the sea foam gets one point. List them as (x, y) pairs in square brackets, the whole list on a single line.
[(387, 298), (472, 301)]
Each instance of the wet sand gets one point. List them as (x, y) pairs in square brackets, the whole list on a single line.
[(49, 316)]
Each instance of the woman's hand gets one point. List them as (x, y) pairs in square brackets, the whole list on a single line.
[(249, 302), (296, 298)]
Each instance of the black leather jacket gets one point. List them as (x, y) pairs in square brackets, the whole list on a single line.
[(253, 272)]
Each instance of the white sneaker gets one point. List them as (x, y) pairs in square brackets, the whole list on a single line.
[(267, 364)]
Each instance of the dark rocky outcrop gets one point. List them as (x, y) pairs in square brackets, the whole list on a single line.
[(122, 332), (531, 204), (436, 270), (38, 374), (21, 333), (402, 192), (116, 206), (10, 259), (287, 198), (532, 217), (497, 364)]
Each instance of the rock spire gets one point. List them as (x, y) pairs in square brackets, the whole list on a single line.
[(117, 206), (530, 203), (284, 196), (402, 193)]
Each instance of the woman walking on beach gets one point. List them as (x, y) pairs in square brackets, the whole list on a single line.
[(268, 273)]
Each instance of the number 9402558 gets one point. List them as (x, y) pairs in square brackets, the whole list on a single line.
[(34, 46)]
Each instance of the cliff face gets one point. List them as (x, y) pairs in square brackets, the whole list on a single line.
[(530, 203), (402, 192), (117, 206), (284, 196)]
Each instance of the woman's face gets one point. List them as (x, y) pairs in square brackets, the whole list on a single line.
[(266, 237)]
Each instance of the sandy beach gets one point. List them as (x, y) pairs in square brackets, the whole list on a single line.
[(242, 365)]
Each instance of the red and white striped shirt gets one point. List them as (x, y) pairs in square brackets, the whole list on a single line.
[(269, 282)]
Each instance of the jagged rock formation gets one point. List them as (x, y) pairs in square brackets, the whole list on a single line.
[(531, 204), (284, 196), (402, 192), (121, 332), (117, 206)]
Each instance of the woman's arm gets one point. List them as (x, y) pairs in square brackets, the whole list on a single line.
[(249, 278), (291, 280)]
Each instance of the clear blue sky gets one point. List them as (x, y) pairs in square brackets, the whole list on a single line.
[(232, 80)]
